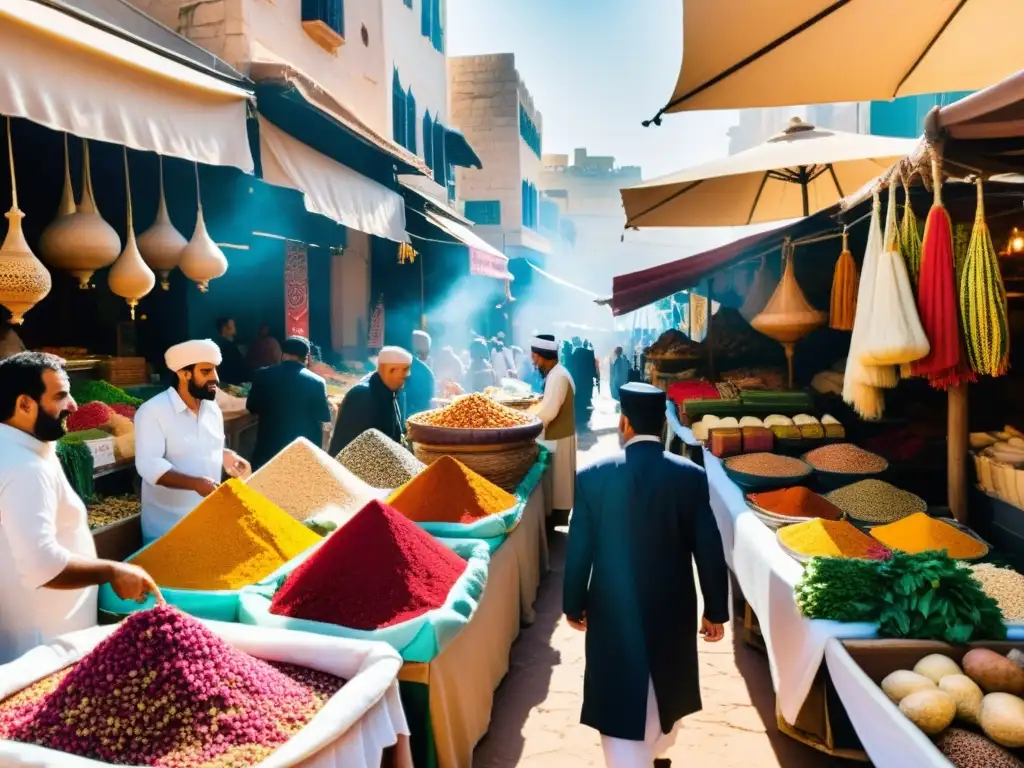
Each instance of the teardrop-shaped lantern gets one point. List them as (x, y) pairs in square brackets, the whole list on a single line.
[(202, 260), (24, 281), (161, 245), (82, 242), (130, 277), (57, 242)]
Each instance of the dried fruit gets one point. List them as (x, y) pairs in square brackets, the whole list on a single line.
[(474, 411)]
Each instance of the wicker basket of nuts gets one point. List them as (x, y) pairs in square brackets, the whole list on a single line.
[(473, 420)]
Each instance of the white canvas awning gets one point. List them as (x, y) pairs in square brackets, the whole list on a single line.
[(330, 188), (484, 258), (65, 74)]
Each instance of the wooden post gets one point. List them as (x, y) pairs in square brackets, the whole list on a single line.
[(956, 452)]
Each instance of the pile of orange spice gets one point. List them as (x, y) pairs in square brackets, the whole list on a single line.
[(796, 502), (450, 492)]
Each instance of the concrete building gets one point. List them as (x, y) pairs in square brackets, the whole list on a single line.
[(493, 108)]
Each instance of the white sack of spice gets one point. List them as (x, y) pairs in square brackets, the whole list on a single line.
[(307, 483), (379, 461), (1005, 586)]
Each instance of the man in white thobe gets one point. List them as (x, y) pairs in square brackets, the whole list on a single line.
[(179, 440), (49, 571), (558, 416)]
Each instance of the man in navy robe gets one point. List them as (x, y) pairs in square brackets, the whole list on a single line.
[(641, 519)]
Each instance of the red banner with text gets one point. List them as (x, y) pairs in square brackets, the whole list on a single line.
[(296, 290)]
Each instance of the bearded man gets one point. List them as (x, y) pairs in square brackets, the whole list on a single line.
[(179, 440)]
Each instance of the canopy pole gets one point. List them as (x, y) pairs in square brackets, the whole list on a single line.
[(805, 193), (956, 452)]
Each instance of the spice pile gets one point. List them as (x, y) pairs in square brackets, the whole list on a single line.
[(828, 538), (163, 690), (450, 492), (113, 509), (94, 415), (379, 461), (846, 458), (768, 465), (306, 482), (965, 749), (1003, 585), (921, 533), (474, 411), (88, 390), (876, 501), (378, 570), (796, 502), (233, 538)]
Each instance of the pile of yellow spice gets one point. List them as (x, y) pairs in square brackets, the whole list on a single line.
[(233, 538), (921, 533)]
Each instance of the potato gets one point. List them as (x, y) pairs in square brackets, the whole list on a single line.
[(966, 694), (936, 666), (931, 711), (901, 683), (1002, 719), (993, 672)]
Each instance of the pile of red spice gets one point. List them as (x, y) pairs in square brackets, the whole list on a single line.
[(89, 416), (450, 492), (796, 502), (377, 570)]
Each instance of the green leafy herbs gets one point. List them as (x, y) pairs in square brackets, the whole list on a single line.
[(76, 461), (95, 390), (840, 589), (927, 596)]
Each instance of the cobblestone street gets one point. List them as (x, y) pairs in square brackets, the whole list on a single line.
[(537, 707)]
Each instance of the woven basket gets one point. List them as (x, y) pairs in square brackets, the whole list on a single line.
[(503, 465)]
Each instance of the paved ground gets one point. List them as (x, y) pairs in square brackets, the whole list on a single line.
[(536, 709)]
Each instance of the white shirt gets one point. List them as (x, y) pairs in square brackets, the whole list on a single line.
[(168, 436), (642, 439), (501, 361), (556, 389), (42, 524)]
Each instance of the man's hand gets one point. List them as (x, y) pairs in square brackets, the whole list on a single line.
[(711, 632), (204, 486), (236, 466), (579, 626), (130, 582)]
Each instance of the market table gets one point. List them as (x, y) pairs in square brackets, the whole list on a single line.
[(449, 700)]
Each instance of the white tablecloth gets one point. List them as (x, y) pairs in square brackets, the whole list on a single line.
[(889, 738), (767, 575)]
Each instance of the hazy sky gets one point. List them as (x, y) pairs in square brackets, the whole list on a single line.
[(596, 69)]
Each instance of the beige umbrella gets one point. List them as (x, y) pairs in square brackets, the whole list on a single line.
[(800, 171), (757, 53)]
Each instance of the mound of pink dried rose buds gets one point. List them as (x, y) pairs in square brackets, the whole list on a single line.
[(163, 690)]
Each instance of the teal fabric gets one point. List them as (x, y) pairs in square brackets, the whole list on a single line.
[(420, 639), (492, 543), (216, 605), (501, 524)]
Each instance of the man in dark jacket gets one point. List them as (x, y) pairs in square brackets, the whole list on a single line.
[(373, 402), (419, 389), (290, 400), (233, 368), (641, 518)]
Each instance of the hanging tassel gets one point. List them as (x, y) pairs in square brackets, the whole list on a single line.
[(983, 301), (843, 307), (910, 239)]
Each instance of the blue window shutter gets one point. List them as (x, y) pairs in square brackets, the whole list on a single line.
[(408, 3), (330, 12), (440, 164), (425, 17), (397, 109), (436, 28), (428, 140), (410, 124), (484, 212)]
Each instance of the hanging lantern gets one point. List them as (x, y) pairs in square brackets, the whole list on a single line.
[(202, 260), (24, 281), (406, 254), (80, 241), (161, 245), (130, 277)]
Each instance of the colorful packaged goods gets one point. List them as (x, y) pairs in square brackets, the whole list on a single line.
[(921, 533), (233, 538), (450, 492), (378, 570), (307, 483), (163, 690)]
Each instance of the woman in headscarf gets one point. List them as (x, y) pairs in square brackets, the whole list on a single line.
[(481, 373)]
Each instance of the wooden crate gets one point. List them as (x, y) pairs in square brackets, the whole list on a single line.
[(125, 371)]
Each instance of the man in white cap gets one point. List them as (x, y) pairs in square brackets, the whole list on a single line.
[(419, 389), (558, 415), (373, 402), (179, 440)]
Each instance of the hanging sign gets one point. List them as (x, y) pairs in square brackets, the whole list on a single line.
[(296, 290), (487, 264), (376, 339), (700, 315)]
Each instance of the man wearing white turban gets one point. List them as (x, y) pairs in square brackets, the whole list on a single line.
[(179, 440), (557, 412), (373, 402)]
